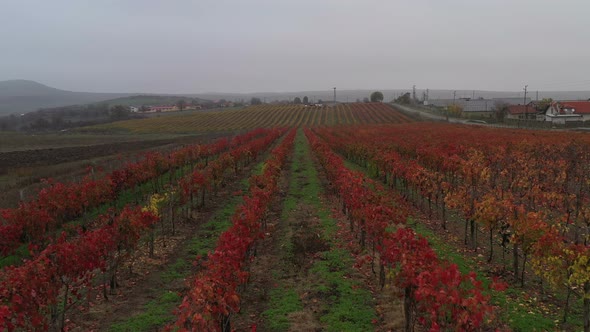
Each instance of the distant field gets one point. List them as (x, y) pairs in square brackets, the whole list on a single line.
[(146, 100), (260, 116), (12, 141), (65, 157)]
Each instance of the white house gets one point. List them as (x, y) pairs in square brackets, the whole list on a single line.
[(565, 111)]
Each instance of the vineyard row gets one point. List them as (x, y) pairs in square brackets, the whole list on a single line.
[(214, 293), (38, 293), (530, 193), (435, 292)]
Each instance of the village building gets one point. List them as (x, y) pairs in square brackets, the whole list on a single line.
[(568, 111), (479, 107), (525, 112)]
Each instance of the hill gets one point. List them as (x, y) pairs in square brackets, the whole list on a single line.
[(22, 96), (259, 116)]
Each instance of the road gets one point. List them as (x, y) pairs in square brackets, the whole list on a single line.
[(427, 115), (433, 117)]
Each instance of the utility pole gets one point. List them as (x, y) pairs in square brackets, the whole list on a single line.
[(414, 92), (454, 96), (427, 94), (526, 111), (537, 99), (334, 95)]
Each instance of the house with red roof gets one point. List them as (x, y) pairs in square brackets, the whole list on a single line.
[(163, 108), (565, 111), (524, 112)]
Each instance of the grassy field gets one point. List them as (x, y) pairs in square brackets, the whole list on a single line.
[(259, 116)]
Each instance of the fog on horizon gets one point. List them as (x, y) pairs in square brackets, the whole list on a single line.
[(185, 46)]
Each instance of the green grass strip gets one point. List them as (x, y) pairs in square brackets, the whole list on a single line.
[(156, 313), (283, 301), (348, 305)]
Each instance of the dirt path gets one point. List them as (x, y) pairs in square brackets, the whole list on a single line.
[(303, 277)]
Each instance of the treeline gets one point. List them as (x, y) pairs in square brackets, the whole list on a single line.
[(66, 117)]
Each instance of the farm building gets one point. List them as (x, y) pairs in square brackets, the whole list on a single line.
[(172, 108), (164, 108), (477, 107), (525, 112)]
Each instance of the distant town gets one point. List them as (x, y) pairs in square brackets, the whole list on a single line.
[(559, 112)]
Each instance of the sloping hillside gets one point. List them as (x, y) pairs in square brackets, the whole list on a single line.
[(22, 96)]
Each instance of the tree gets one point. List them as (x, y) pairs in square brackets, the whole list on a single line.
[(297, 100), (305, 100), (500, 110), (544, 104), (255, 101), (119, 112), (455, 110), (181, 104), (404, 99), (40, 123), (57, 121), (377, 96), (365, 100)]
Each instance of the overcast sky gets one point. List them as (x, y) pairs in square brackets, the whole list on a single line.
[(191, 46)]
